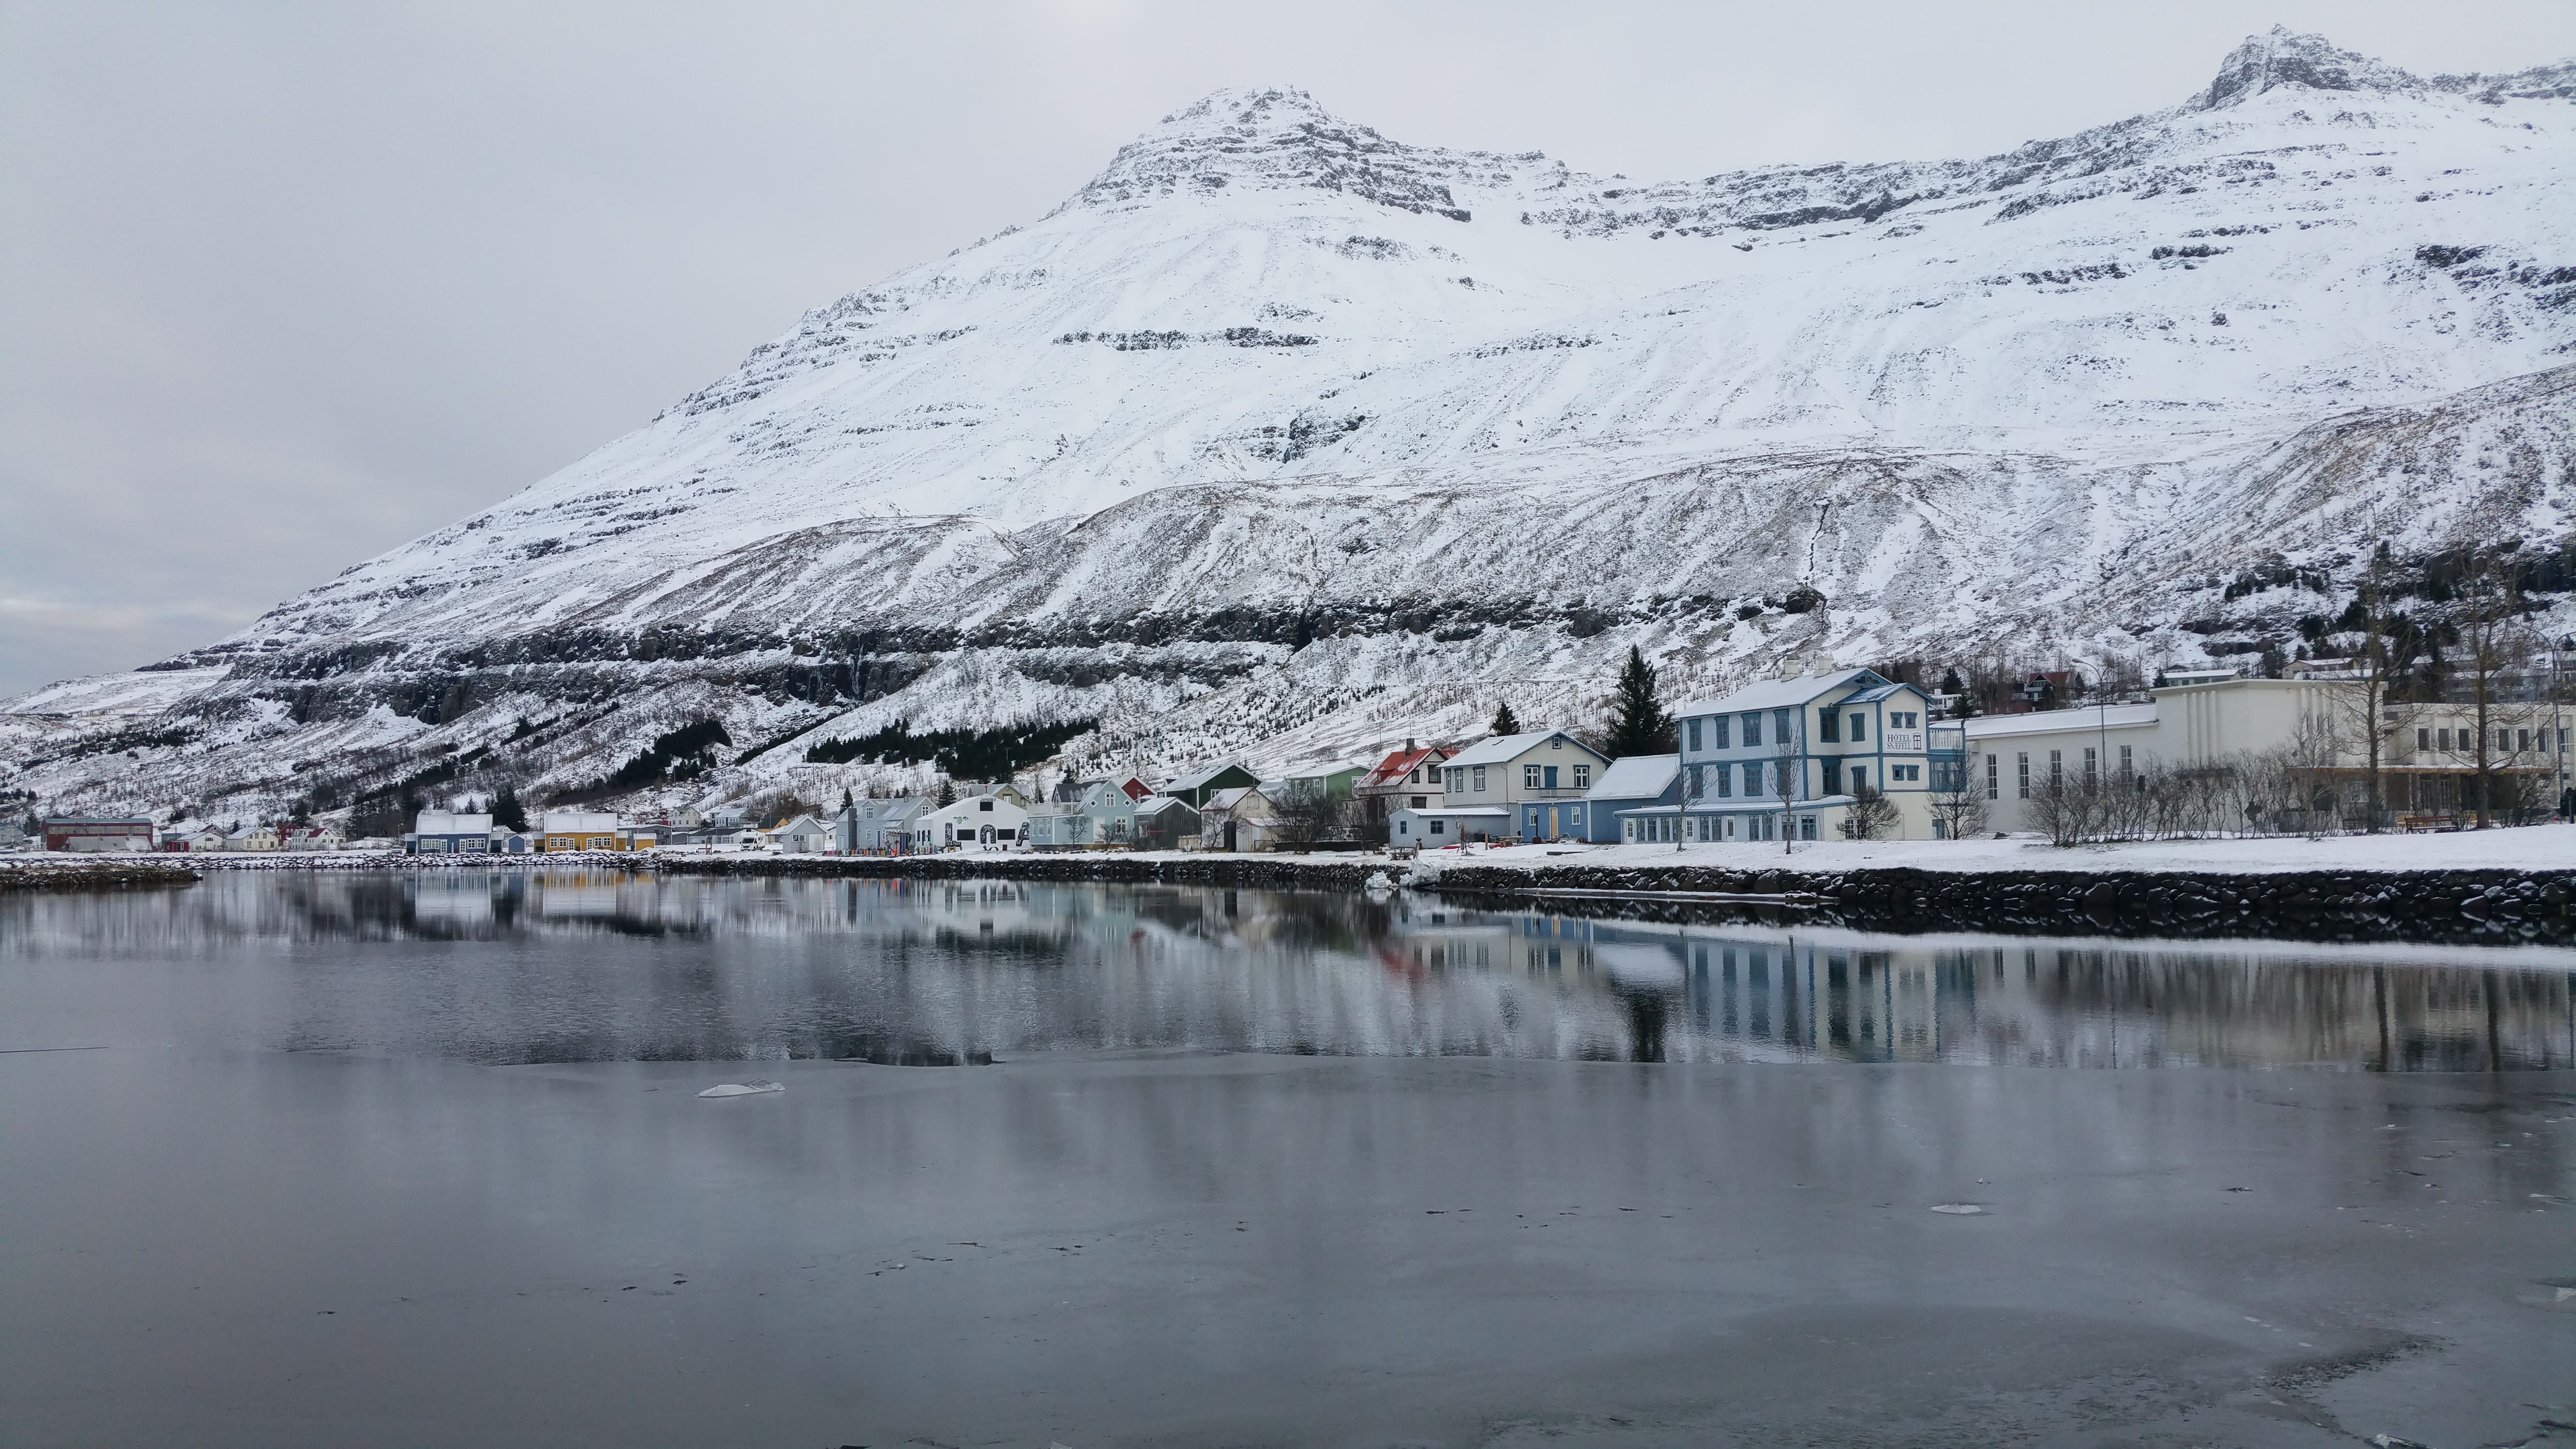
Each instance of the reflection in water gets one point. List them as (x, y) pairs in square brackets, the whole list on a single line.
[(515, 966)]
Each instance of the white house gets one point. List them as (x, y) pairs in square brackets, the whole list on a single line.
[(1506, 770), (803, 835), (1240, 819), (1790, 753), (1434, 826), (449, 832), (2428, 756), (252, 837), (985, 822)]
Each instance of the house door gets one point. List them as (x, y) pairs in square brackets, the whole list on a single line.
[(1229, 835)]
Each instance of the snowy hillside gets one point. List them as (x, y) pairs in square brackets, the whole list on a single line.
[(1281, 435)]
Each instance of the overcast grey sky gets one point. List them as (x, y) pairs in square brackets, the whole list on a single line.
[(282, 286)]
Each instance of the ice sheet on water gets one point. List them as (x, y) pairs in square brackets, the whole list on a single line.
[(743, 1089), (1958, 1209)]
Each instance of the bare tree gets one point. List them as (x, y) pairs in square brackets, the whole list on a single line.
[(1309, 813), (2496, 647), (2363, 709), (1788, 770), (1959, 804), (1871, 815)]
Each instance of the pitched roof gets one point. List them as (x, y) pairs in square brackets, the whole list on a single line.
[(1397, 765), (1503, 749), (1636, 777), (1197, 779), (1777, 693)]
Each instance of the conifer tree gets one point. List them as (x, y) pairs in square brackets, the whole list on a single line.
[(1505, 722), (1638, 724), (947, 792), (507, 812)]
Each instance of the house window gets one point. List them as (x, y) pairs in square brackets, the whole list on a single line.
[(1780, 725), (2423, 739), (1904, 720), (1752, 730), (1752, 777), (1725, 781), (1994, 780), (1905, 772), (1582, 777), (2446, 739), (1439, 827), (1479, 778), (1828, 727), (1529, 777), (2057, 767), (984, 805), (1860, 728), (1834, 775), (1717, 732), (2092, 766), (1860, 779), (2023, 766), (2128, 764), (1694, 735), (1418, 801), (1806, 827)]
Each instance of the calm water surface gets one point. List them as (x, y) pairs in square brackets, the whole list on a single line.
[(588, 966)]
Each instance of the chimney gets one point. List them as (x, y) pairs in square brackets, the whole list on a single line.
[(1408, 744)]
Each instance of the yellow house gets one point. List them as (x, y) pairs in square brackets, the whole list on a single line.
[(581, 830)]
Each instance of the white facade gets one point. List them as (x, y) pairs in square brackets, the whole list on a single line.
[(1433, 827), (985, 822), (1508, 769)]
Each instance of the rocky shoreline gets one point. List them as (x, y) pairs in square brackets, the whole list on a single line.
[(92, 875), (2463, 907)]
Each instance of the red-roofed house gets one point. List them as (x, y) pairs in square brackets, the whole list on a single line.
[(1407, 779)]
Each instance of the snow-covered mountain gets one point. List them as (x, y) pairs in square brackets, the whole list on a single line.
[(1287, 437)]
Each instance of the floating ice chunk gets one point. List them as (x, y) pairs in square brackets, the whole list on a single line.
[(1379, 885), (743, 1089), (1958, 1209)]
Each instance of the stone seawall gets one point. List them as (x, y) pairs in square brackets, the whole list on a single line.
[(2496, 907), (91, 875)]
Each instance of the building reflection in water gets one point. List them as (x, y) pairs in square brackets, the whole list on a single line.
[(601, 964)]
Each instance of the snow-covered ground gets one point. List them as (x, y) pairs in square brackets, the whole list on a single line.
[(2529, 847), (1285, 438)]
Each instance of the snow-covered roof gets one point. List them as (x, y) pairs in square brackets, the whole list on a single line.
[(1454, 812), (1157, 804), (450, 822), (1503, 749), (2058, 721), (1197, 779), (1229, 799), (1635, 777), (1776, 693)]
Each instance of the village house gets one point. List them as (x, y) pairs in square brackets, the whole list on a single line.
[(1070, 791), (1791, 754), (1163, 823), (803, 835), (1633, 786), (312, 837), (1240, 818), (1103, 815), (579, 830), (1407, 779), (878, 827), (205, 838), (985, 822), (1440, 825), (2428, 752), (1196, 788), (88, 833), (1507, 770), (449, 832), (253, 838)]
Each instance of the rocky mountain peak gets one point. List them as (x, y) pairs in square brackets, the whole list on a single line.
[(2284, 57), (1281, 138)]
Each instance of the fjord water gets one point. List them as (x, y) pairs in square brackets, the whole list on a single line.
[(514, 967), (311, 1158)]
